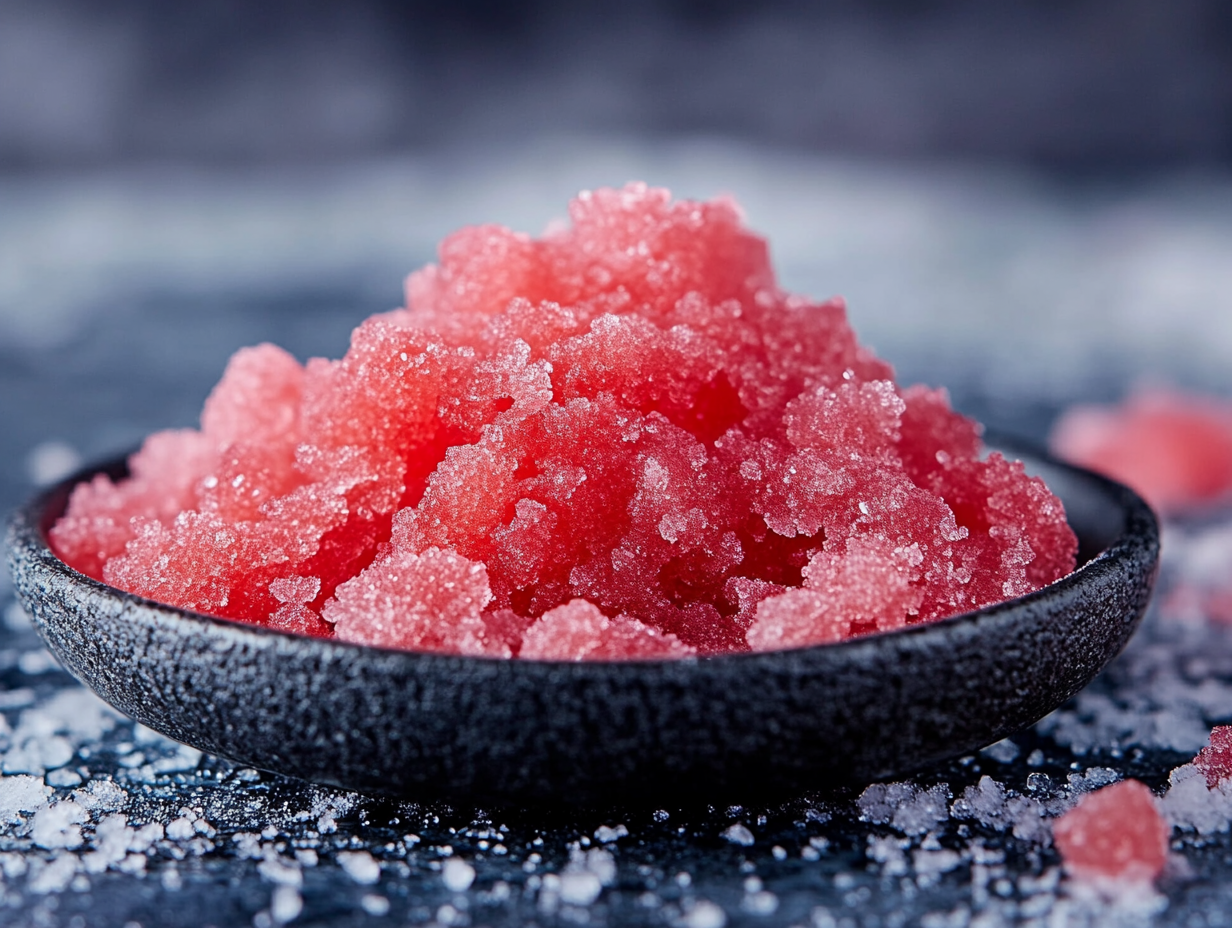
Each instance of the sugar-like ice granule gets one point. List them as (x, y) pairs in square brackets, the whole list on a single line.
[(619, 440), (1116, 832)]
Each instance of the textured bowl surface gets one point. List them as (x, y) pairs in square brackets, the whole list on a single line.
[(431, 726)]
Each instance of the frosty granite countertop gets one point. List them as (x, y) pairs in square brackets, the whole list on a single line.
[(121, 297)]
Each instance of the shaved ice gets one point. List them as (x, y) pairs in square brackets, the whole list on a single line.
[(620, 440)]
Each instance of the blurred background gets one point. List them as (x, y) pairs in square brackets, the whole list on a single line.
[(1089, 86), (1029, 203)]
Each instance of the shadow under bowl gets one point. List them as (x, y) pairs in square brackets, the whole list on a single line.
[(747, 727)]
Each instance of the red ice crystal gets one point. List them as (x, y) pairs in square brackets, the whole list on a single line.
[(1173, 448), (621, 439), (1114, 833), (1215, 760)]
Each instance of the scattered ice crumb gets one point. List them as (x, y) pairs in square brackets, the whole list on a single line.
[(985, 802), (16, 619), (53, 876), (50, 462), (36, 753), (704, 914), (1092, 779), (375, 905), (579, 888), (1192, 804), (285, 904), (759, 902), (890, 853), (1003, 752), (930, 863), (113, 841), (739, 834), (457, 875), (21, 793), (59, 825), (606, 835), (38, 662), (280, 870), (63, 778), (101, 796), (904, 806), (360, 866)]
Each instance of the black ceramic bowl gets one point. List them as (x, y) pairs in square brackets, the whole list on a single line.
[(736, 727)]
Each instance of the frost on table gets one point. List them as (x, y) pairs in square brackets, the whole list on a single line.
[(103, 822)]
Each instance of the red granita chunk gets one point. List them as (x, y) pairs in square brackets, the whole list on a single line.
[(1215, 760), (1114, 833), (621, 439), (1173, 448)]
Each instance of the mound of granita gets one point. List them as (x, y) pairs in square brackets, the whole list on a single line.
[(620, 440)]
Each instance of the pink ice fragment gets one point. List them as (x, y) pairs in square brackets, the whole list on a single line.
[(1114, 833), (1215, 760), (1173, 448)]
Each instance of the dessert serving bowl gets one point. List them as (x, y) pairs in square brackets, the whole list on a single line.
[(736, 727)]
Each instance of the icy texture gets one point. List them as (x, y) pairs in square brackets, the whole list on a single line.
[(623, 436), (1116, 832), (1173, 448)]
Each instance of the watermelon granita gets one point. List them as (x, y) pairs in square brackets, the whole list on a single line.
[(621, 440)]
